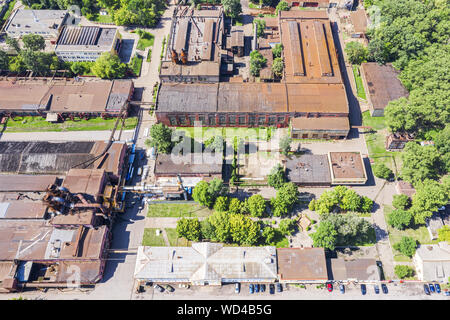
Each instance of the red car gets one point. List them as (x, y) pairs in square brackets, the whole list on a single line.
[(329, 287)]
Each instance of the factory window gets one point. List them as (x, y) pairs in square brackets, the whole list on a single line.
[(251, 120), (272, 120), (192, 120), (281, 119), (182, 120), (173, 121), (241, 119), (222, 120), (315, 136), (261, 119), (305, 136), (232, 120), (201, 119), (212, 120)]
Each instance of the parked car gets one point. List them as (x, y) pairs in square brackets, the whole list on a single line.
[(251, 288), (279, 287), (169, 288), (438, 288), (377, 289), (329, 287), (263, 288), (447, 293), (256, 288), (158, 287), (182, 285), (237, 288), (384, 288), (342, 288), (425, 288), (363, 289), (431, 287), (271, 288)]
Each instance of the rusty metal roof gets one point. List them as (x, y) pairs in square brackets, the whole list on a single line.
[(28, 183), (321, 123), (359, 20), (347, 165), (88, 181), (302, 264)]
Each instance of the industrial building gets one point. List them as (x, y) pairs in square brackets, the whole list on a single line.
[(60, 99), (206, 263), (432, 262), (334, 168), (310, 90), (382, 85), (302, 265), (359, 22), (86, 43), (361, 270), (46, 23), (309, 3)]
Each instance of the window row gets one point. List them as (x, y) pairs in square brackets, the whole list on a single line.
[(223, 120)]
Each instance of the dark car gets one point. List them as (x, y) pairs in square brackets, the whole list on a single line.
[(425, 288), (256, 287), (158, 287), (271, 288), (263, 288), (363, 289), (279, 287), (438, 288), (384, 288), (431, 287), (329, 287), (342, 288), (251, 288), (169, 288), (377, 289)]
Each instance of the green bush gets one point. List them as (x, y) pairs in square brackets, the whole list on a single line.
[(406, 246), (221, 204), (403, 271), (400, 219), (401, 201), (381, 171)]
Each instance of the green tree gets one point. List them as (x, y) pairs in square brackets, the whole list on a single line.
[(4, 61), (277, 177), (285, 144), (216, 188), (442, 144), (256, 205), (444, 233), (221, 224), (351, 201), (232, 8), (33, 42), (356, 52), (287, 226), (430, 195), (277, 67), (80, 68), (401, 201), (235, 206), (207, 229), (366, 204), (16, 64), (282, 6), (221, 204), (420, 163), (351, 229), (257, 62), (161, 138), (261, 26), (378, 51), (189, 229), (108, 66), (285, 199), (277, 50), (13, 43), (382, 171), (406, 246), (268, 234), (38, 62), (400, 219), (325, 236), (243, 229), (403, 271), (202, 195)]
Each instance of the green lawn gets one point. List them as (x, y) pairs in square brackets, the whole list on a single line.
[(229, 133), (146, 40), (177, 210), (174, 241), (151, 239), (419, 233), (37, 124), (136, 64), (149, 55), (102, 18), (376, 143), (359, 84)]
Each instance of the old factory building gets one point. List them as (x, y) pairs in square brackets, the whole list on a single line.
[(203, 79)]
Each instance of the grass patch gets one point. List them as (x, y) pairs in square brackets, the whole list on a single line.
[(174, 241), (102, 18), (149, 55), (151, 239), (136, 65), (37, 124), (176, 210), (229, 133), (146, 39), (359, 83), (419, 233), (253, 6)]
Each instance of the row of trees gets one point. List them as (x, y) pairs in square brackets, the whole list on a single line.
[(341, 199)]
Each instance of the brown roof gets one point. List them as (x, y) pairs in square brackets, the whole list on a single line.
[(304, 14), (404, 187), (317, 97), (382, 84), (84, 217), (347, 165), (24, 182), (185, 165), (88, 181), (359, 20), (359, 269), (302, 264), (63, 96), (322, 123), (22, 210), (237, 37)]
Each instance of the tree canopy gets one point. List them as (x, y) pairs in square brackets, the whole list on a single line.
[(256, 205), (232, 8), (429, 197), (161, 138), (277, 177), (356, 52), (189, 229), (406, 246), (400, 219), (109, 66)]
